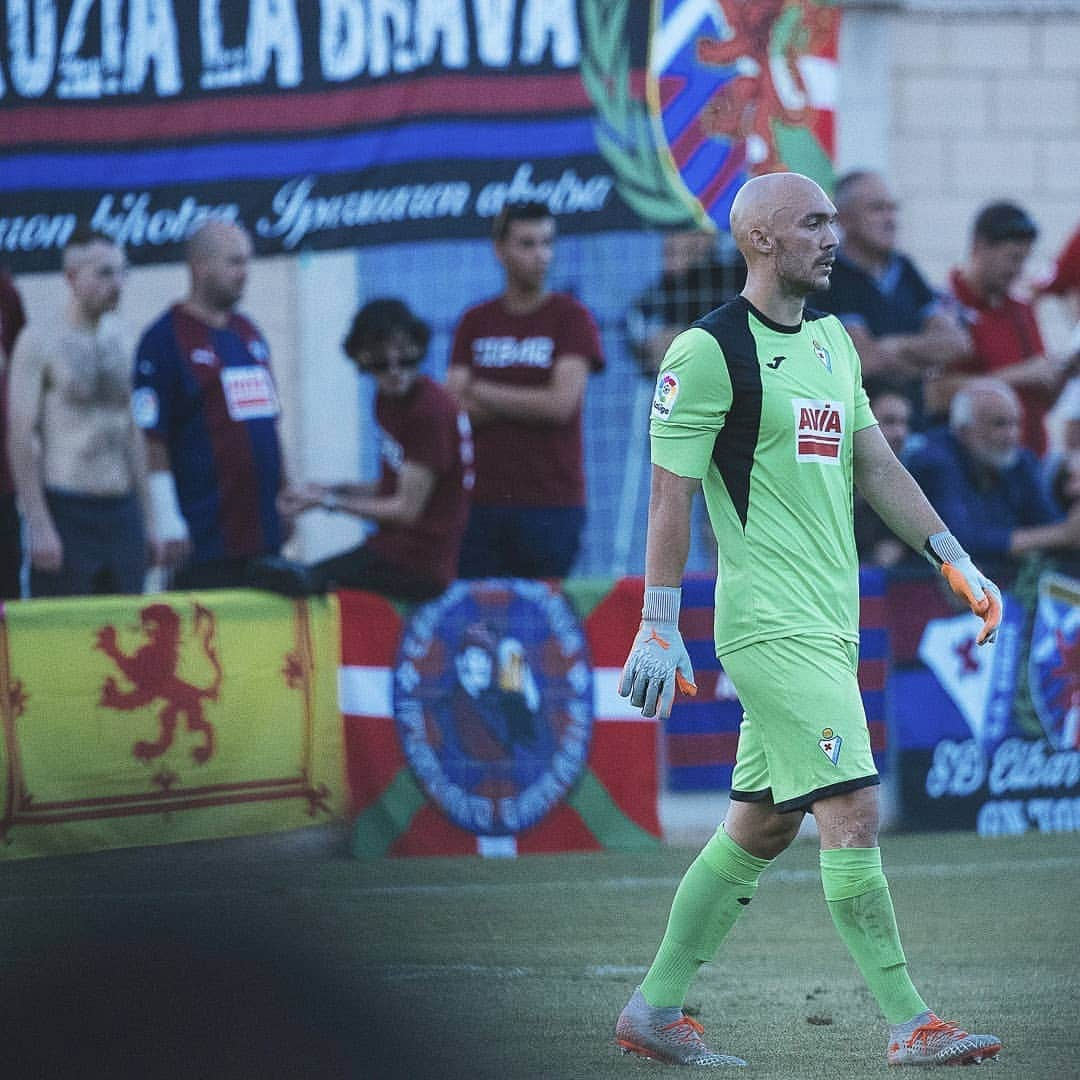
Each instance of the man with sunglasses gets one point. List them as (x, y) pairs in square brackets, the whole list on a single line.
[(420, 502)]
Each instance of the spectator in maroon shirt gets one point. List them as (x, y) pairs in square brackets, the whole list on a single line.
[(420, 502), (12, 320), (1006, 342), (519, 365)]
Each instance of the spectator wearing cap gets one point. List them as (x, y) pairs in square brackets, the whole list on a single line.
[(1005, 337)]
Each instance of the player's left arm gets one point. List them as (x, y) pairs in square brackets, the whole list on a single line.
[(556, 402), (899, 501)]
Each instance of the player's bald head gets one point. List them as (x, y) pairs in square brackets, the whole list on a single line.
[(763, 199), (212, 237)]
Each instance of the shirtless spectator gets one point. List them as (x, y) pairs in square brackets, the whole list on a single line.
[(77, 458)]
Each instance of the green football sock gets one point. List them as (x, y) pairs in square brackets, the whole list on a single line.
[(861, 908), (720, 882)]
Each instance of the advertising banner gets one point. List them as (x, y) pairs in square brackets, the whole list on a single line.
[(156, 719), (488, 722), (989, 738), (336, 123)]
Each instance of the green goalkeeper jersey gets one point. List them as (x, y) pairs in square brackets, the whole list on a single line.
[(763, 415)]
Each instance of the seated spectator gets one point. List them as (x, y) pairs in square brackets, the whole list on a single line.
[(12, 320), (987, 485), (700, 273), (421, 501), (1062, 459), (875, 542), (900, 326), (1065, 481), (1006, 341)]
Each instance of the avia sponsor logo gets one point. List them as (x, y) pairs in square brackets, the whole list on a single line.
[(667, 391), (819, 430)]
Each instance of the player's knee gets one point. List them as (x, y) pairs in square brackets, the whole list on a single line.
[(848, 820)]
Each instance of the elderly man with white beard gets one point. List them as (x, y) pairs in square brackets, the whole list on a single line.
[(987, 486)]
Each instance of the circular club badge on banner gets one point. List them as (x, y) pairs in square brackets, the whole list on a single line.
[(493, 702)]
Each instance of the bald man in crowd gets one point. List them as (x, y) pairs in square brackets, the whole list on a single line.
[(77, 459), (761, 402), (206, 399), (900, 326)]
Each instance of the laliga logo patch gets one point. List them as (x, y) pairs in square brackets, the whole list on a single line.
[(667, 391), (144, 407), (493, 702), (819, 430), (830, 744)]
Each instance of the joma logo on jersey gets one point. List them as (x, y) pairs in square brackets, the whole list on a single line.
[(819, 430)]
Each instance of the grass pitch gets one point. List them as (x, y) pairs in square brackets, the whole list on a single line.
[(275, 957)]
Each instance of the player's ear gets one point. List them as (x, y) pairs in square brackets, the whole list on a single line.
[(760, 241)]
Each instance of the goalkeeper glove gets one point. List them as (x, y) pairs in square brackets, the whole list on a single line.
[(658, 661), (965, 579)]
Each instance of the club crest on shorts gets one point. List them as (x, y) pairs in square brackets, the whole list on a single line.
[(830, 744)]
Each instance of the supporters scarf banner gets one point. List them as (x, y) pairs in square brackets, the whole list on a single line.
[(342, 122), (488, 722), (154, 719)]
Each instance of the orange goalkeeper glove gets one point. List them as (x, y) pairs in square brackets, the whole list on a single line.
[(968, 582), (658, 661)]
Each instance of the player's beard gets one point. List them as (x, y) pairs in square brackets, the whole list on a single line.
[(799, 279)]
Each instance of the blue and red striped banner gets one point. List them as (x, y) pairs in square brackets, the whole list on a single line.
[(335, 124)]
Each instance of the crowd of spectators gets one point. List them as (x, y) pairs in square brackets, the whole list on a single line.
[(169, 452)]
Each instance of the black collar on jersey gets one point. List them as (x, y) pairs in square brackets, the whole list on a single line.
[(780, 328)]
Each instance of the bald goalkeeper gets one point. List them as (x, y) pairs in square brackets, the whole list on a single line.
[(761, 403)]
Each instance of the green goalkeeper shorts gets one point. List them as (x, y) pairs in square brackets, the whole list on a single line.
[(803, 735)]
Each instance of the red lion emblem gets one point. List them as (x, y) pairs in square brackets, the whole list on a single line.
[(151, 670)]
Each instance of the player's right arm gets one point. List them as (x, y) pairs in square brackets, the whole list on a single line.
[(667, 542), (692, 398), (25, 393)]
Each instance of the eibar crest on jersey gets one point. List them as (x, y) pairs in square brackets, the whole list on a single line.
[(823, 355), (667, 392), (819, 430), (830, 744)]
